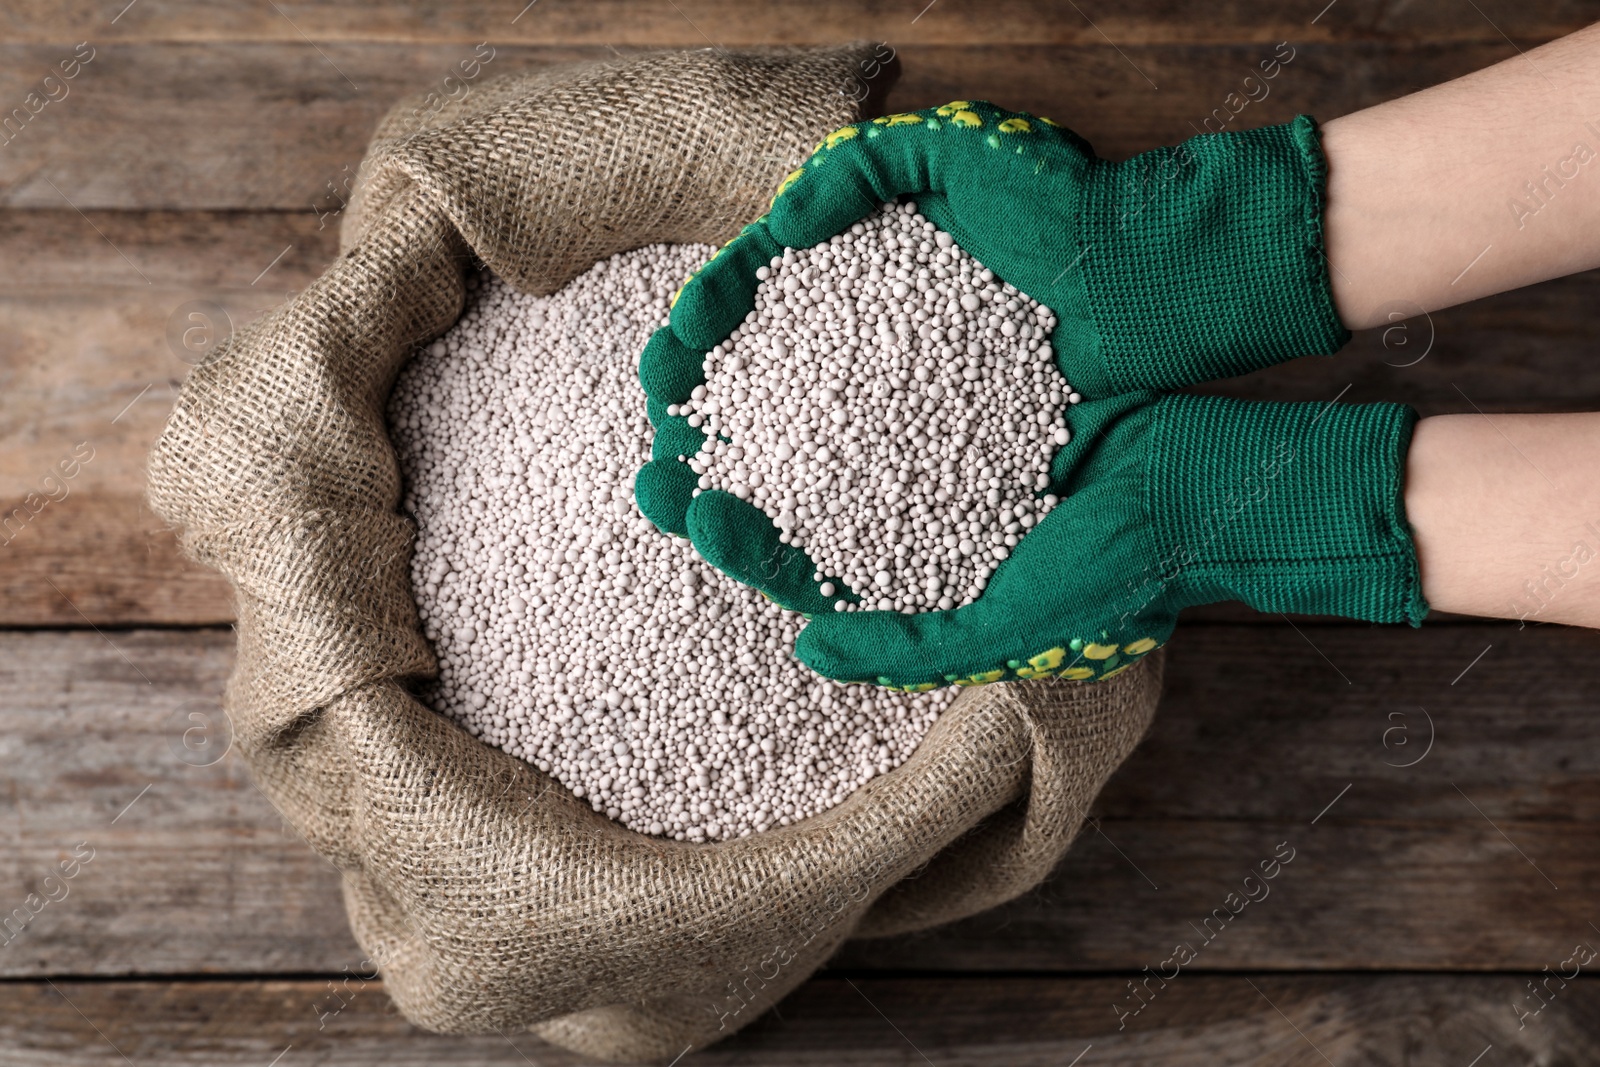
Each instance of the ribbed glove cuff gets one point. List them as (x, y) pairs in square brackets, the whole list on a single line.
[(1206, 259), (1287, 507)]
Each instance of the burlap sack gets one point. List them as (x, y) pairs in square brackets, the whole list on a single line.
[(489, 896)]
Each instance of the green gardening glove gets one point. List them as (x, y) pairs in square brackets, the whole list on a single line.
[(1168, 502), (1180, 265)]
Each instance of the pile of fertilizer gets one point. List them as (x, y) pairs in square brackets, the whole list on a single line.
[(569, 631), (893, 407)]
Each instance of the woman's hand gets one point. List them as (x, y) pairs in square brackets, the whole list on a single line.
[(1477, 186), (1167, 502), (1506, 511), (1178, 266)]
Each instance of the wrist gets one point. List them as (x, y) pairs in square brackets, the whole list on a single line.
[(1507, 516), (1287, 507)]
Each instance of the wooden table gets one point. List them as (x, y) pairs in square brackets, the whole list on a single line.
[(1438, 787)]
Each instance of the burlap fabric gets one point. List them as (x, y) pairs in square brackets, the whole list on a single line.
[(488, 895)]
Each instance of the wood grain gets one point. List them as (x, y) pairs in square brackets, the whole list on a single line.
[(95, 307), (694, 23), (117, 740), (191, 161), (101, 558), (268, 252), (225, 125), (1406, 894), (860, 1021), (88, 303), (1484, 854), (1260, 722)]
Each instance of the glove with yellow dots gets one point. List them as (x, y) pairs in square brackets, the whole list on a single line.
[(1167, 502), (1180, 265)]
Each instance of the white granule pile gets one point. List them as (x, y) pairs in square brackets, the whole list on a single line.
[(573, 634), (893, 407)]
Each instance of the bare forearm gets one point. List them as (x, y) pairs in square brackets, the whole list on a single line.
[(1477, 186), (1506, 513)]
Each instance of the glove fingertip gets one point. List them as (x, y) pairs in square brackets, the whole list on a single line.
[(663, 489), (674, 438), (717, 298), (727, 536), (907, 652), (740, 540), (806, 216), (669, 369), (846, 647)]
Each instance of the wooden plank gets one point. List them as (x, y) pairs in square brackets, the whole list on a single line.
[(1258, 722), (1398, 894), (861, 1021), (731, 22), (1443, 864), (91, 358), (224, 125), (216, 126), (266, 251), (191, 868), (102, 558), (1451, 777)]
